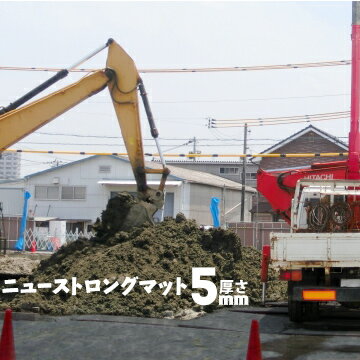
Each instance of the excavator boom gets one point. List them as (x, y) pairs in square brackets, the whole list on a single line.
[(123, 81), (17, 124)]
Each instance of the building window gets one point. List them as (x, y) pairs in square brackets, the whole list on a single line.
[(229, 170), (250, 176), (104, 169), (75, 226), (73, 193), (46, 192)]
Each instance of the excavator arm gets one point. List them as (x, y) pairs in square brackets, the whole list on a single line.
[(123, 81)]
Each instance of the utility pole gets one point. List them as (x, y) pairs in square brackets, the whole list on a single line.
[(243, 176)]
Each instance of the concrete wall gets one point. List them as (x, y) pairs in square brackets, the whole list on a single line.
[(85, 173), (79, 174), (12, 200), (200, 202), (191, 199)]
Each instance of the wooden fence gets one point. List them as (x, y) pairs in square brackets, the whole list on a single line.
[(10, 229)]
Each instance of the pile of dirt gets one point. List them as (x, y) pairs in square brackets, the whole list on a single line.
[(113, 219), (162, 253), (17, 265)]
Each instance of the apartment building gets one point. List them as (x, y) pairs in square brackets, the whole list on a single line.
[(10, 165)]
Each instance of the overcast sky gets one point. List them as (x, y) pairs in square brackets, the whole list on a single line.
[(181, 35)]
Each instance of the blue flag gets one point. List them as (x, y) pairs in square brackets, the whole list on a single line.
[(214, 209), (20, 243)]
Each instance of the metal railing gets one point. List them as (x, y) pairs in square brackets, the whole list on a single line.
[(257, 234)]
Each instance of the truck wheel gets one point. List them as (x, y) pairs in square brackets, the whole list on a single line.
[(301, 310), (296, 311), (311, 310)]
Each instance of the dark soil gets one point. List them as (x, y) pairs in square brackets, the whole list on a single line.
[(162, 252)]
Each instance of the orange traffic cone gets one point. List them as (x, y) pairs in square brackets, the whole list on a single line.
[(7, 348), (254, 346), (33, 246)]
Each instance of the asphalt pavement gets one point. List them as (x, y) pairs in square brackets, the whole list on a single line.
[(222, 335)]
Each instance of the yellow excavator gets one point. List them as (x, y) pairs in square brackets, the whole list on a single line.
[(123, 81)]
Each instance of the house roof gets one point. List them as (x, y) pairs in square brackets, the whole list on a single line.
[(205, 162), (60, 166), (200, 177), (177, 173), (302, 132)]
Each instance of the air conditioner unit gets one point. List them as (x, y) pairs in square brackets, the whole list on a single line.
[(56, 180)]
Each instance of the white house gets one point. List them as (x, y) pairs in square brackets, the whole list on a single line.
[(78, 191)]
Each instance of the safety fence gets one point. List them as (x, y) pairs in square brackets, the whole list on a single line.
[(257, 234), (254, 234), (40, 239)]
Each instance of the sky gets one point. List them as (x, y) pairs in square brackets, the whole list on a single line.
[(184, 34)]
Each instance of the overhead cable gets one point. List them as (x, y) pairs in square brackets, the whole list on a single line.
[(199, 69), (223, 123), (182, 155)]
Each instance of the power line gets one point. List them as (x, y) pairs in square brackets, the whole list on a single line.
[(248, 99), (101, 136), (287, 117), (173, 146), (151, 139), (279, 123), (272, 155), (214, 123), (92, 101), (199, 69)]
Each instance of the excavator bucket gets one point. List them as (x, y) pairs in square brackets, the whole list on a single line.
[(125, 212), (139, 214), (144, 208)]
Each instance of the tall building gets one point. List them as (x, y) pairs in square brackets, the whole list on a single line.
[(10, 165)]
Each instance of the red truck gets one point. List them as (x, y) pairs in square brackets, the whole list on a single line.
[(320, 257)]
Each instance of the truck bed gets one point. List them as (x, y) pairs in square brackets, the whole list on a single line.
[(308, 250)]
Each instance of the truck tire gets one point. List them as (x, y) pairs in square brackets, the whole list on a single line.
[(296, 310), (300, 311), (311, 310)]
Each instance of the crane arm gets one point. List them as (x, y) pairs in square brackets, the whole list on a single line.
[(278, 187)]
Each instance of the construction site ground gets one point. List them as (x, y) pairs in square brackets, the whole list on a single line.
[(222, 335), (135, 327)]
